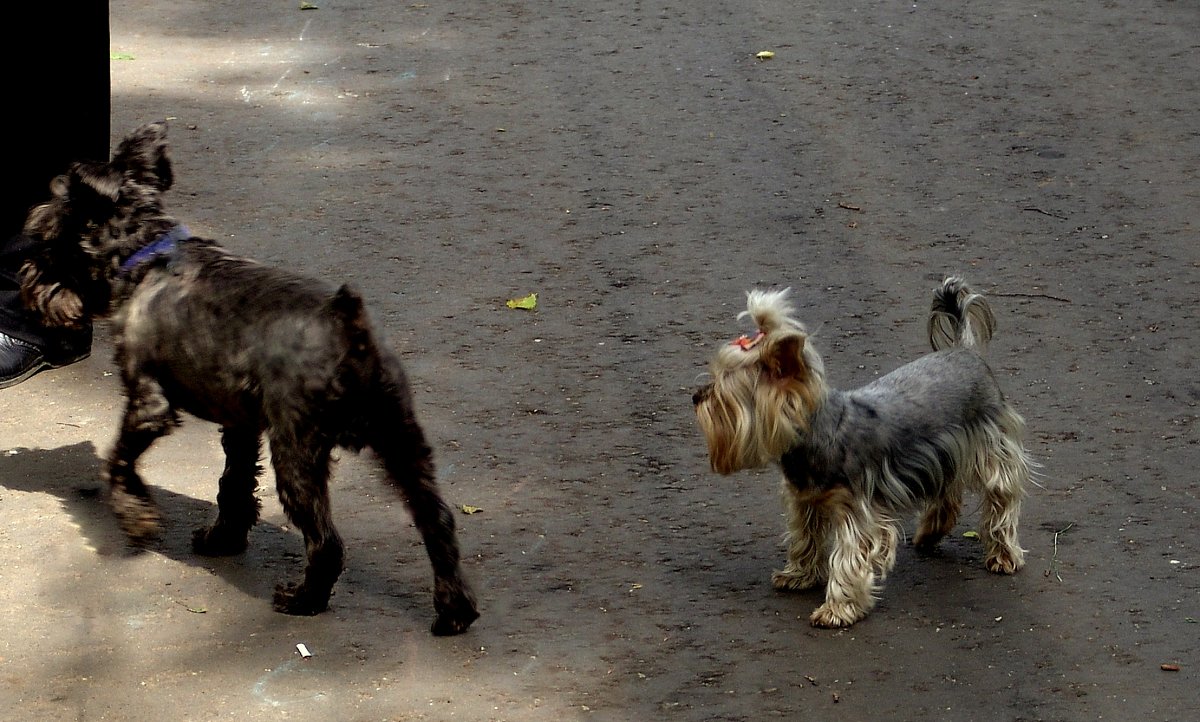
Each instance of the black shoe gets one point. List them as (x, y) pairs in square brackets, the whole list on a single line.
[(19, 359)]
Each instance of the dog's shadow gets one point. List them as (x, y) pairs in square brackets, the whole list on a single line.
[(72, 474)]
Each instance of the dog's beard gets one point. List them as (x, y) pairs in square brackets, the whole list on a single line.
[(750, 422), (728, 429), (763, 392)]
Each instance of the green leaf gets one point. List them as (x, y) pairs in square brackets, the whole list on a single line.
[(527, 303)]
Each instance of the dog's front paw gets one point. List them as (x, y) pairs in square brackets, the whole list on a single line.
[(138, 516), (298, 600), (794, 581), (218, 541), (836, 616)]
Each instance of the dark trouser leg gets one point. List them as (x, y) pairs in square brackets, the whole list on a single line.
[(60, 114)]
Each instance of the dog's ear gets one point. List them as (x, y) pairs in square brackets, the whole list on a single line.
[(783, 359), (90, 190), (142, 156), (87, 192), (88, 183)]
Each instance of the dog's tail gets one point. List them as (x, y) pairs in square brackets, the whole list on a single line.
[(347, 305), (356, 380), (360, 365), (959, 317)]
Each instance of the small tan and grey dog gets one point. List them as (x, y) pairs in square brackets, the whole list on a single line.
[(855, 462), (256, 349)]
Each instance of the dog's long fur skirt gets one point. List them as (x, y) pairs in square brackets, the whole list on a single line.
[(855, 462)]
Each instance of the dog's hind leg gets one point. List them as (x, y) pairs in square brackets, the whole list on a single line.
[(806, 529), (941, 514), (148, 415), (237, 507), (1002, 477), (301, 463), (401, 446)]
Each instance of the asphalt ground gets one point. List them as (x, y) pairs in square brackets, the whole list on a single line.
[(638, 167)]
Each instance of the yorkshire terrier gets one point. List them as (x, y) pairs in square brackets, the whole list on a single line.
[(854, 462), (253, 348)]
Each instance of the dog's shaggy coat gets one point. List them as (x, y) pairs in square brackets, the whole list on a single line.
[(854, 461), (253, 348)]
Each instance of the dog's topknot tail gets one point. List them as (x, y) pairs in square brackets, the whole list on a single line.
[(770, 310), (959, 317)]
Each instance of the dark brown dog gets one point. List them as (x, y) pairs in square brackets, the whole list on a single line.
[(252, 348)]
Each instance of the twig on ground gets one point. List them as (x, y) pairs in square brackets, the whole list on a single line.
[(1045, 213), (1052, 569), (1019, 294)]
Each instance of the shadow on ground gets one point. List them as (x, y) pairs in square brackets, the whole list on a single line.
[(72, 474)]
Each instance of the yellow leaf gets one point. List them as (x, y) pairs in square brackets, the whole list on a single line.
[(470, 509), (527, 303), (970, 535), (765, 54)]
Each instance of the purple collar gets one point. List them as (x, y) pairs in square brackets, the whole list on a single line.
[(162, 246)]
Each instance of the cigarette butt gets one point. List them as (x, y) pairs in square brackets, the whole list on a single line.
[(303, 651)]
